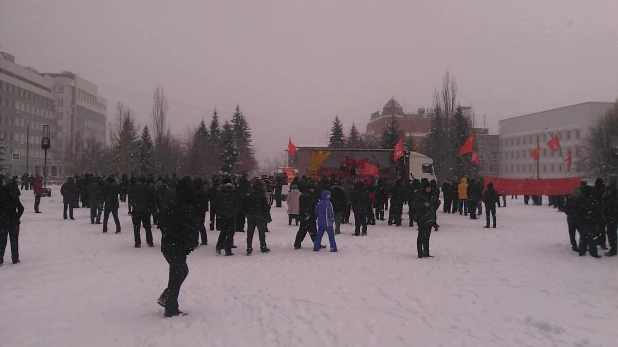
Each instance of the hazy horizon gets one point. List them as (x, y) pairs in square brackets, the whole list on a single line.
[(293, 65)]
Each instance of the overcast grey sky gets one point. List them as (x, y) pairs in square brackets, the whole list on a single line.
[(294, 64)]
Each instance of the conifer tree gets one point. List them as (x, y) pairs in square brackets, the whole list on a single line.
[(145, 153), (246, 161), (337, 137), (354, 139), (228, 153), (391, 134)]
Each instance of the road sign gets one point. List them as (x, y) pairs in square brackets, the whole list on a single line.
[(16, 156)]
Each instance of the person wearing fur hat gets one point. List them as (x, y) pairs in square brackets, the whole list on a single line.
[(228, 204), (426, 216)]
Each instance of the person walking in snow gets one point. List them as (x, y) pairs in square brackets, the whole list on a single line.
[(110, 194), (307, 203), (177, 221), (38, 192), (293, 202), (425, 205), (69, 192), (590, 218), (360, 201), (227, 205), (462, 189), (326, 219), (258, 216), (573, 210), (11, 211), (398, 197), (490, 199), (338, 200), (141, 199), (200, 205)]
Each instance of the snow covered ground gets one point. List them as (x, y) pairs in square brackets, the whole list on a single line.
[(518, 285)]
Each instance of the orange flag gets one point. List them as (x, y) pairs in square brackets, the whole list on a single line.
[(467, 146), (535, 153), (398, 150), (475, 158), (569, 160), (291, 147), (554, 144)]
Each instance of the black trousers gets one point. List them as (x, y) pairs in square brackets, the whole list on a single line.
[(240, 222), (422, 240), (140, 218), (306, 227), (394, 214), (612, 238), (292, 217), (447, 205), (70, 207), (587, 234), (346, 213), (227, 225), (380, 211), (455, 205), (371, 218), (254, 222), (472, 206), (573, 229), (201, 227), (179, 270), (526, 199), (11, 233), (278, 196), (37, 202), (213, 216), (114, 213), (123, 196), (490, 209), (360, 221), (601, 231)]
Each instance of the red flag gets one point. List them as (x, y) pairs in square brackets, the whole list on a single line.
[(535, 153), (569, 160), (467, 146), (370, 170), (554, 144), (475, 158), (291, 147), (398, 150)]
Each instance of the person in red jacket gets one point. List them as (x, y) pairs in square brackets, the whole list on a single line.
[(38, 192)]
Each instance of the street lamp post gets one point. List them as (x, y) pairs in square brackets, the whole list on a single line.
[(45, 145)]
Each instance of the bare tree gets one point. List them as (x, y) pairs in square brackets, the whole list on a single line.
[(161, 132), (597, 159)]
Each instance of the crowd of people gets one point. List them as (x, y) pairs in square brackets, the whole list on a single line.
[(180, 209)]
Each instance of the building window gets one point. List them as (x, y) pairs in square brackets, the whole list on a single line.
[(577, 151), (577, 134), (518, 141), (494, 156), (552, 154), (544, 167), (560, 135), (568, 135), (552, 167), (560, 168), (544, 152), (544, 137), (506, 168), (517, 154), (560, 151)]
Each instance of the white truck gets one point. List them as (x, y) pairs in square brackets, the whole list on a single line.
[(421, 166)]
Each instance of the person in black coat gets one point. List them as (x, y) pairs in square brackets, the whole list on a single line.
[(490, 199), (11, 210), (227, 205), (111, 191), (381, 196), (610, 212), (69, 193), (599, 191), (177, 222), (573, 210), (425, 204), (360, 200), (243, 187), (339, 201), (95, 199), (141, 200), (200, 204), (306, 213), (447, 196), (258, 215), (413, 188), (398, 197), (124, 187), (590, 218)]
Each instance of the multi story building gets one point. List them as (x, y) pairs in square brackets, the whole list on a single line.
[(68, 103), (26, 104), (520, 135), (488, 150), (415, 126), (81, 111)]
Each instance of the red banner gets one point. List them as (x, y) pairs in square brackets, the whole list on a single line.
[(535, 153), (475, 158), (554, 144), (371, 170), (553, 186), (398, 150)]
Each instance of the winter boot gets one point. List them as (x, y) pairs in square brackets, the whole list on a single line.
[(249, 251), (265, 249)]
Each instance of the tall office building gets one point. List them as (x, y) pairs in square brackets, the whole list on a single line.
[(26, 104), (70, 104)]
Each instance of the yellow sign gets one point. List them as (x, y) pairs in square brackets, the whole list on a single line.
[(317, 159), (16, 156)]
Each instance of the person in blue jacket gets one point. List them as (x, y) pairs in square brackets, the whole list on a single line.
[(326, 218)]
